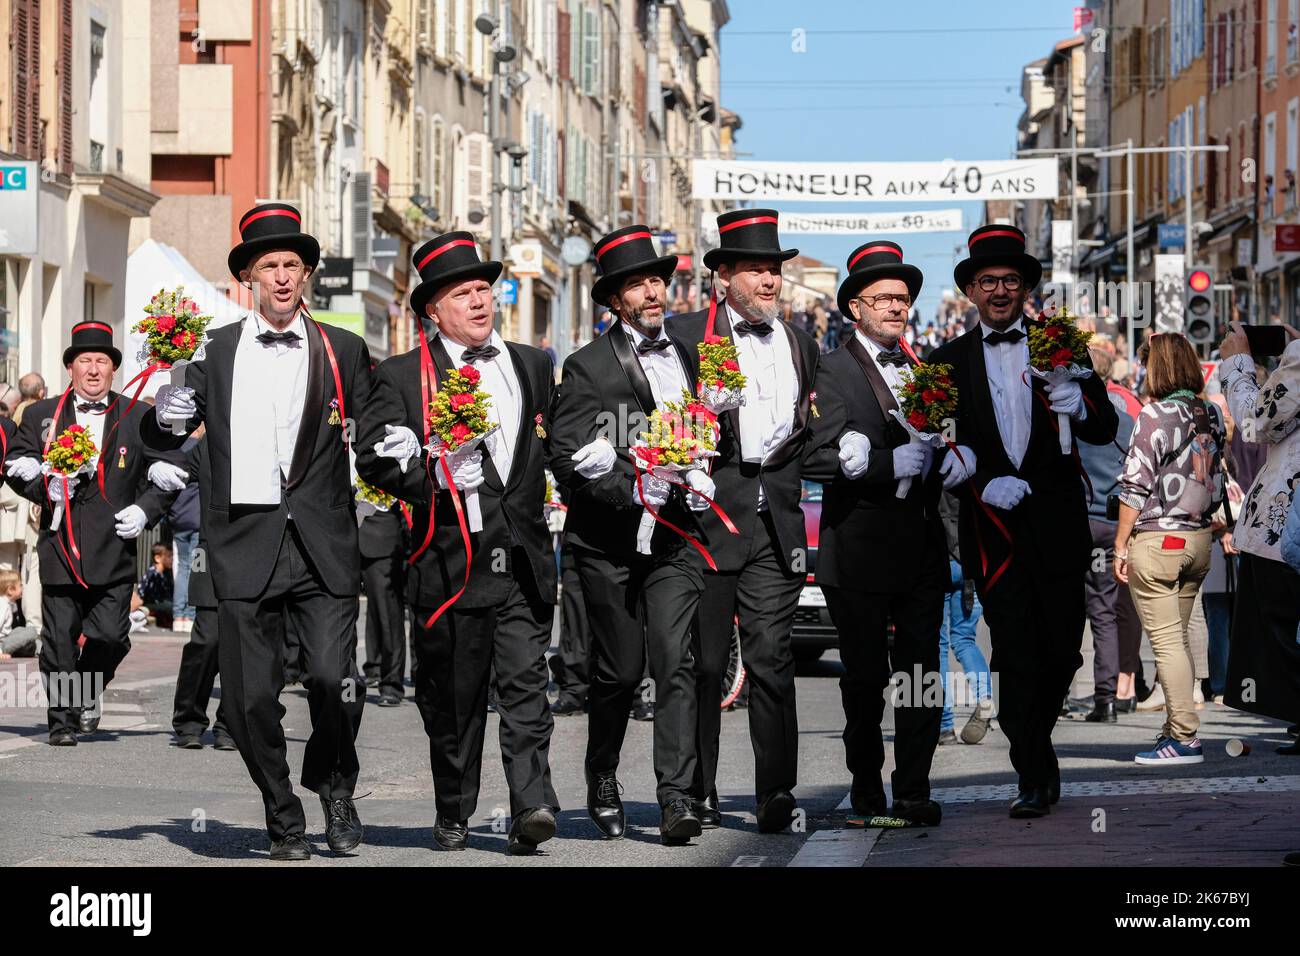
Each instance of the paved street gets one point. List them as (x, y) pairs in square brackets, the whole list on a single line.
[(128, 797)]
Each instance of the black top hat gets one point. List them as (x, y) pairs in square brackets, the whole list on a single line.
[(747, 234), (272, 225), (997, 245), (875, 259), (91, 337), (451, 257), (627, 252)]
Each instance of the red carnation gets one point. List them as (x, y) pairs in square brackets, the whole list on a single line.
[(461, 433), (943, 380), (165, 323), (929, 395), (66, 441), (470, 374), (918, 420), (183, 339), (731, 365), (940, 395), (712, 339), (1052, 331), (1061, 357), (461, 400), (76, 429), (719, 384)]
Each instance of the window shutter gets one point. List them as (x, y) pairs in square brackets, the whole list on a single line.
[(475, 168), (65, 87), (590, 52), (562, 35), (25, 46), (361, 220)]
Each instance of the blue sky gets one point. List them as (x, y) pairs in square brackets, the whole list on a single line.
[(939, 80)]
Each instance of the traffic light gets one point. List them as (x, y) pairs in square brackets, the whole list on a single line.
[(1198, 305)]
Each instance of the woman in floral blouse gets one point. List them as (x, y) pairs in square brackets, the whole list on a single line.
[(1263, 655), (1171, 485)]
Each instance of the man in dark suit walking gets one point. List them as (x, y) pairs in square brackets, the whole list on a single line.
[(881, 557), (1031, 579), (88, 564), (640, 606), (277, 390), (496, 614), (761, 570)]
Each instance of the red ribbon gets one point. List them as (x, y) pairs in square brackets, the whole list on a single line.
[(67, 498), (708, 558), (427, 377), (464, 537)]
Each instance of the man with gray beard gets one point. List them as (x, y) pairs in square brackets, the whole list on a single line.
[(761, 570)]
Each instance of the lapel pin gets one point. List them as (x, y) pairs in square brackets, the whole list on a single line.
[(812, 400), (541, 432), (121, 456), (334, 412)]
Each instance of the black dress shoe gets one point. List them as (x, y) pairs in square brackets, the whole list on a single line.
[(708, 812), (223, 742), (642, 710), (389, 699), (919, 813), (1126, 705), (372, 680), (89, 719), (566, 707), (450, 834), (604, 805), (868, 803), (189, 742), (64, 738), (678, 822), (1031, 803), (1103, 713), (531, 827), (775, 812), (292, 847), (342, 825)]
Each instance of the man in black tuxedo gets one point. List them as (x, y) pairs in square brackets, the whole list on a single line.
[(278, 392), (881, 557), (382, 539), (761, 570), (1031, 587), (88, 565), (639, 606), (502, 621)]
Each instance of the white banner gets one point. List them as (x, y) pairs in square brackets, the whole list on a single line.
[(741, 181), (848, 223), (1063, 253)]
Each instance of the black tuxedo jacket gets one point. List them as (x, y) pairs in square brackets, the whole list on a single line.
[(244, 540), (381, 534), (105, 558), (512, 512), (1050, 525), (738, 480), (870, 539), (603, 392), (201, 593)]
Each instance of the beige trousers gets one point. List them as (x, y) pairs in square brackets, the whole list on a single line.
[(1165, 579)]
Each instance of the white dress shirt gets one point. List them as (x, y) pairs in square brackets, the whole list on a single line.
[(92, 422), (1007, 364), (771, 389), (267, 398), (663, 369), (892, 374), (502, 385)]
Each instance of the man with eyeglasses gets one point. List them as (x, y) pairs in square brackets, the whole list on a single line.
[(881, 557), (1023, 527)]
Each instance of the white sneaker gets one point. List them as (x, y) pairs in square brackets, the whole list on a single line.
[(978, 725)]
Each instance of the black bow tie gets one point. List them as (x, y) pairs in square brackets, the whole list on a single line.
[(269, 338), (652, 345), (996, 338), (477, 352), (753, 328), (893, 357), (91, 406)]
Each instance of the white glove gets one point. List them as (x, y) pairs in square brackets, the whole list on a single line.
[(1067, 398), (23, 469), (167, 476), (855, 449), (399, 442), (466, 470), (596, 459), (174, 403), (1005, 492), (956, 469), (908, 460), (701, 482), (130, 522), (656, 491), (54, 487)]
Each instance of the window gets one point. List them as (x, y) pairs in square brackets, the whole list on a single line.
[(88, 302), (1293, 32), (441, 25), (97, 122), (1270, 162), (439, 146), (1270, 40), (1200, 141), (1175, 37), (418, 160)]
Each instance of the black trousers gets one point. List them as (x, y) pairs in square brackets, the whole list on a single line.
[(457, 658), (571, 667), (641, 611), (1263, 653), (194, 682), (862, 620), (764, 595), (252, 677), (1115, 625), (74, 677), (385, 621), (1035, 618)]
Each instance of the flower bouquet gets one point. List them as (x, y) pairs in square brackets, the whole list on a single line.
[(682, 436), (1057, 349), (371, 500), (173, 329), (722, 384), (928, 403), (458, 421), (70, 454)]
